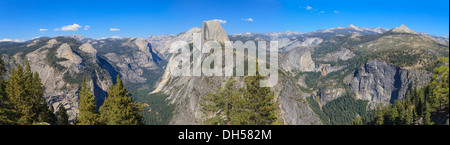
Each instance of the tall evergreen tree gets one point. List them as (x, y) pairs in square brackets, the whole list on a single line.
[(379, 117), (63, 117), (35, 90), (26, 94), (46, 116), (8, 115), (358, 121), (119, 108), (18, 95), (439, 85), (261, 108), (427, 115), (87, 107), (53, 117)]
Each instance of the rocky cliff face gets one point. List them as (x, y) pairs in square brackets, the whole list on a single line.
[(380, 82), (330, 94), (339, 55), (72, 60), (212, 31), (294, 109), (133, 58), (298, 59)]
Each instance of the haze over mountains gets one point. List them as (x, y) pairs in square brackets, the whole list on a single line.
[(322, 66)]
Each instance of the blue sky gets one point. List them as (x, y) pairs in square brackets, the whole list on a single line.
[(26, 19)]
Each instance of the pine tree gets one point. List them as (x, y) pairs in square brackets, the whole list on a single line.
[(427, 114), (401, 118), (63, 117), (409, 108), (259, 101), (379, 116), (87, 107), (409, 119), (22, 97), (119, 108), (2, 69), (391, 115), (36, 91), (53, 117), (25, 95), (358, 121), (18, 95), (46, 116), (439, 85), (8, 115)]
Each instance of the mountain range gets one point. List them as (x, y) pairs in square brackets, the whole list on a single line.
[(371, 65)]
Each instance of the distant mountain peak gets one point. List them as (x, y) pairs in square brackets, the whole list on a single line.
[(355, 27), (81, 38), (352, 26), (404, 29), (352, 29), (212, 30)]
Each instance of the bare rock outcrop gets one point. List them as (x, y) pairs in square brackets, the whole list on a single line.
[(330, 94), (298, 59), (380, 82), (213, 31), (403, 29), (72, 59), (87, 47), (133, 64), (343, 54)]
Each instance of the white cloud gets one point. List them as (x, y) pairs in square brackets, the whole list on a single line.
[(321, 12), (336, 12), (309, 8), (220, 21), (115, 37), (6, 40), (114, 29), (73, 27), (43, 30), (249, 20), (10, 40), (87, 27)]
